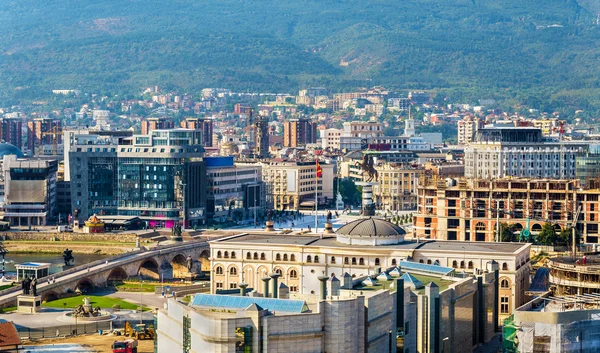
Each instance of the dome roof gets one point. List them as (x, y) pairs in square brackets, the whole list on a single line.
[(8, 149), (370, 227)]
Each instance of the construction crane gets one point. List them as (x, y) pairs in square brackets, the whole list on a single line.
[(54, 133)]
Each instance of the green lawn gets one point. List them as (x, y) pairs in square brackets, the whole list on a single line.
[(135, 287), (8, 309), (102, 302), (6, 286)]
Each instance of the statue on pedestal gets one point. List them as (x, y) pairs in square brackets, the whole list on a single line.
[(25, 284), (68, 257), (34, 287), (190, 263)]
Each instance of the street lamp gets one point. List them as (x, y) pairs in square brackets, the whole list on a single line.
[(141, 281), (3, 252), (446, 339)]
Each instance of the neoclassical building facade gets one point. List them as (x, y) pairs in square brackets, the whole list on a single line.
[(360, 248)]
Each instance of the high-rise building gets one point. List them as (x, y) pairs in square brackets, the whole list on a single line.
[(11, 131), (467, 129), (159, 177), (500, 152), (204, 125), (151, 124), (43, 132), (299, 132)]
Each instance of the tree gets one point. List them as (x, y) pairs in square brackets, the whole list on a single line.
[(547, 236), (507, 233), (349, 192)]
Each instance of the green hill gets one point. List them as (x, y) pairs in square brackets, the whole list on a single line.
[(542, 53)]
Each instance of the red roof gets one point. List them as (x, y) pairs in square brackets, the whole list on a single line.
[(9, 335)]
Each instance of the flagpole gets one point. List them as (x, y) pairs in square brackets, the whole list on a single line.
[(316, 195)]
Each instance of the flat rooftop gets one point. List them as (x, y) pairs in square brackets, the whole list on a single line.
[(330, 241)]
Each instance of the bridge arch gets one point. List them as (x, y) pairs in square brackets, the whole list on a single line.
[(204, 260), (179, 265), (49, 296), (117, 275), (85, 285), (149, 268)]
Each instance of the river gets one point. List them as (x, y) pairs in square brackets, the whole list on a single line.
[(55, 259)]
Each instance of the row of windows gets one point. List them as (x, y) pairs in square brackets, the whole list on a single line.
[(233, 272)]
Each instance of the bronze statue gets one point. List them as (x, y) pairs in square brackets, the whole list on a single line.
[(329, 216), (68, 257), (25, 283), (34, 287), (367, 166), (176, 231), (270, 215)]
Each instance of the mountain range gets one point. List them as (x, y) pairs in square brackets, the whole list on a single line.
[(542, 54)]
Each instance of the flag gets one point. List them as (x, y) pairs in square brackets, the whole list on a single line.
[(319, 170)]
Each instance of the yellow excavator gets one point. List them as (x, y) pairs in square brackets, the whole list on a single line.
[(139, 331)]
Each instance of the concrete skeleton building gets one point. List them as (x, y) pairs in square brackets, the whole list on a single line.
[(466, 209), (500, 152), (361, 248)]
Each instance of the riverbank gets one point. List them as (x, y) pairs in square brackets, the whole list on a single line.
[(57, 247)]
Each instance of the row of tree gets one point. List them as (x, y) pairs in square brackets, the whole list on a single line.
[(548, 235)]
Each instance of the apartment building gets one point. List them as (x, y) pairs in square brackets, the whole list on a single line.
[(467, 127), (500, 152), (291, 184), (397, 184), (299, 132)]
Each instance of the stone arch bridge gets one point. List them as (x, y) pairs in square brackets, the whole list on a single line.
[(166, 261)]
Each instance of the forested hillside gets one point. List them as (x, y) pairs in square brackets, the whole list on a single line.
[(541, 53)]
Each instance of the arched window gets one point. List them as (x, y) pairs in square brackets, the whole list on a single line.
[(233, 271), (255, 256), (421, 261), (248, 256), (233, 254), (219, 255), (354, 260), (316, 259), (262, 256), (333, 259), (285, 257), (394, 263), (279, 272), (429, 262), (278, 257), (504, 266), (219, 270), (504, 283), (346, 261), (226, 255), (376, 261), (293, 274), (292, 257), (462, 264), (309, 259), (470, 265), (361, 262), (454, 264)]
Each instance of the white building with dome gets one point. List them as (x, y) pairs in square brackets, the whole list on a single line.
[(360, 248)]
